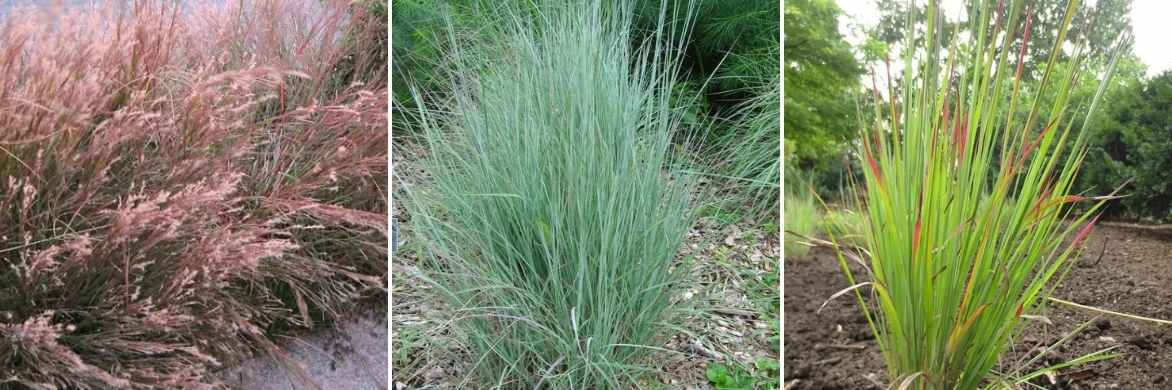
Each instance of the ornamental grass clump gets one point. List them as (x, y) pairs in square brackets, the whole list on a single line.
[(555, 211), (180, 185), (970, 223)]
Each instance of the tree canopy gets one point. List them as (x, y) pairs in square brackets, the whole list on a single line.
[(1097, 25), (821, 76)]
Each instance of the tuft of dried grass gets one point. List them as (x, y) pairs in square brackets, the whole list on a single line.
[(180, 183)]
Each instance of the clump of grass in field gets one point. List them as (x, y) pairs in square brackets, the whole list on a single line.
[(968, 206), (178, 184), (555, 211), (801, 220)]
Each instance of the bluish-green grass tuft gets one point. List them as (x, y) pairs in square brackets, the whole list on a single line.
[(555, 211)]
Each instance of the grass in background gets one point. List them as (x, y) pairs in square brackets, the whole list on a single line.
[(178, 185), (754, 152), (555, 211), (958, 258), (803, 213), (801, 218), (849, 226)]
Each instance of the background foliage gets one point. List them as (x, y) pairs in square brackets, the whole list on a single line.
[(821, 78), (1132, 141), (1126, 139)]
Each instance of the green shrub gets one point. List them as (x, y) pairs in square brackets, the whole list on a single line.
[(555, 213), (417, 36), (737, 41), (1133, 142)]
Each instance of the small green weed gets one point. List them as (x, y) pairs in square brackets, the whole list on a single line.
[(407, 345), (764, 374), (764, 293)]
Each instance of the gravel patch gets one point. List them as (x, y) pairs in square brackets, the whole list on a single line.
[(352, 355)]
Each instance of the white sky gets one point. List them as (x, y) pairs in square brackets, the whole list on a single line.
[(1149, 22)]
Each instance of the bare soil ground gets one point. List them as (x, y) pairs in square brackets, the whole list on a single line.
[(834, 349)]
